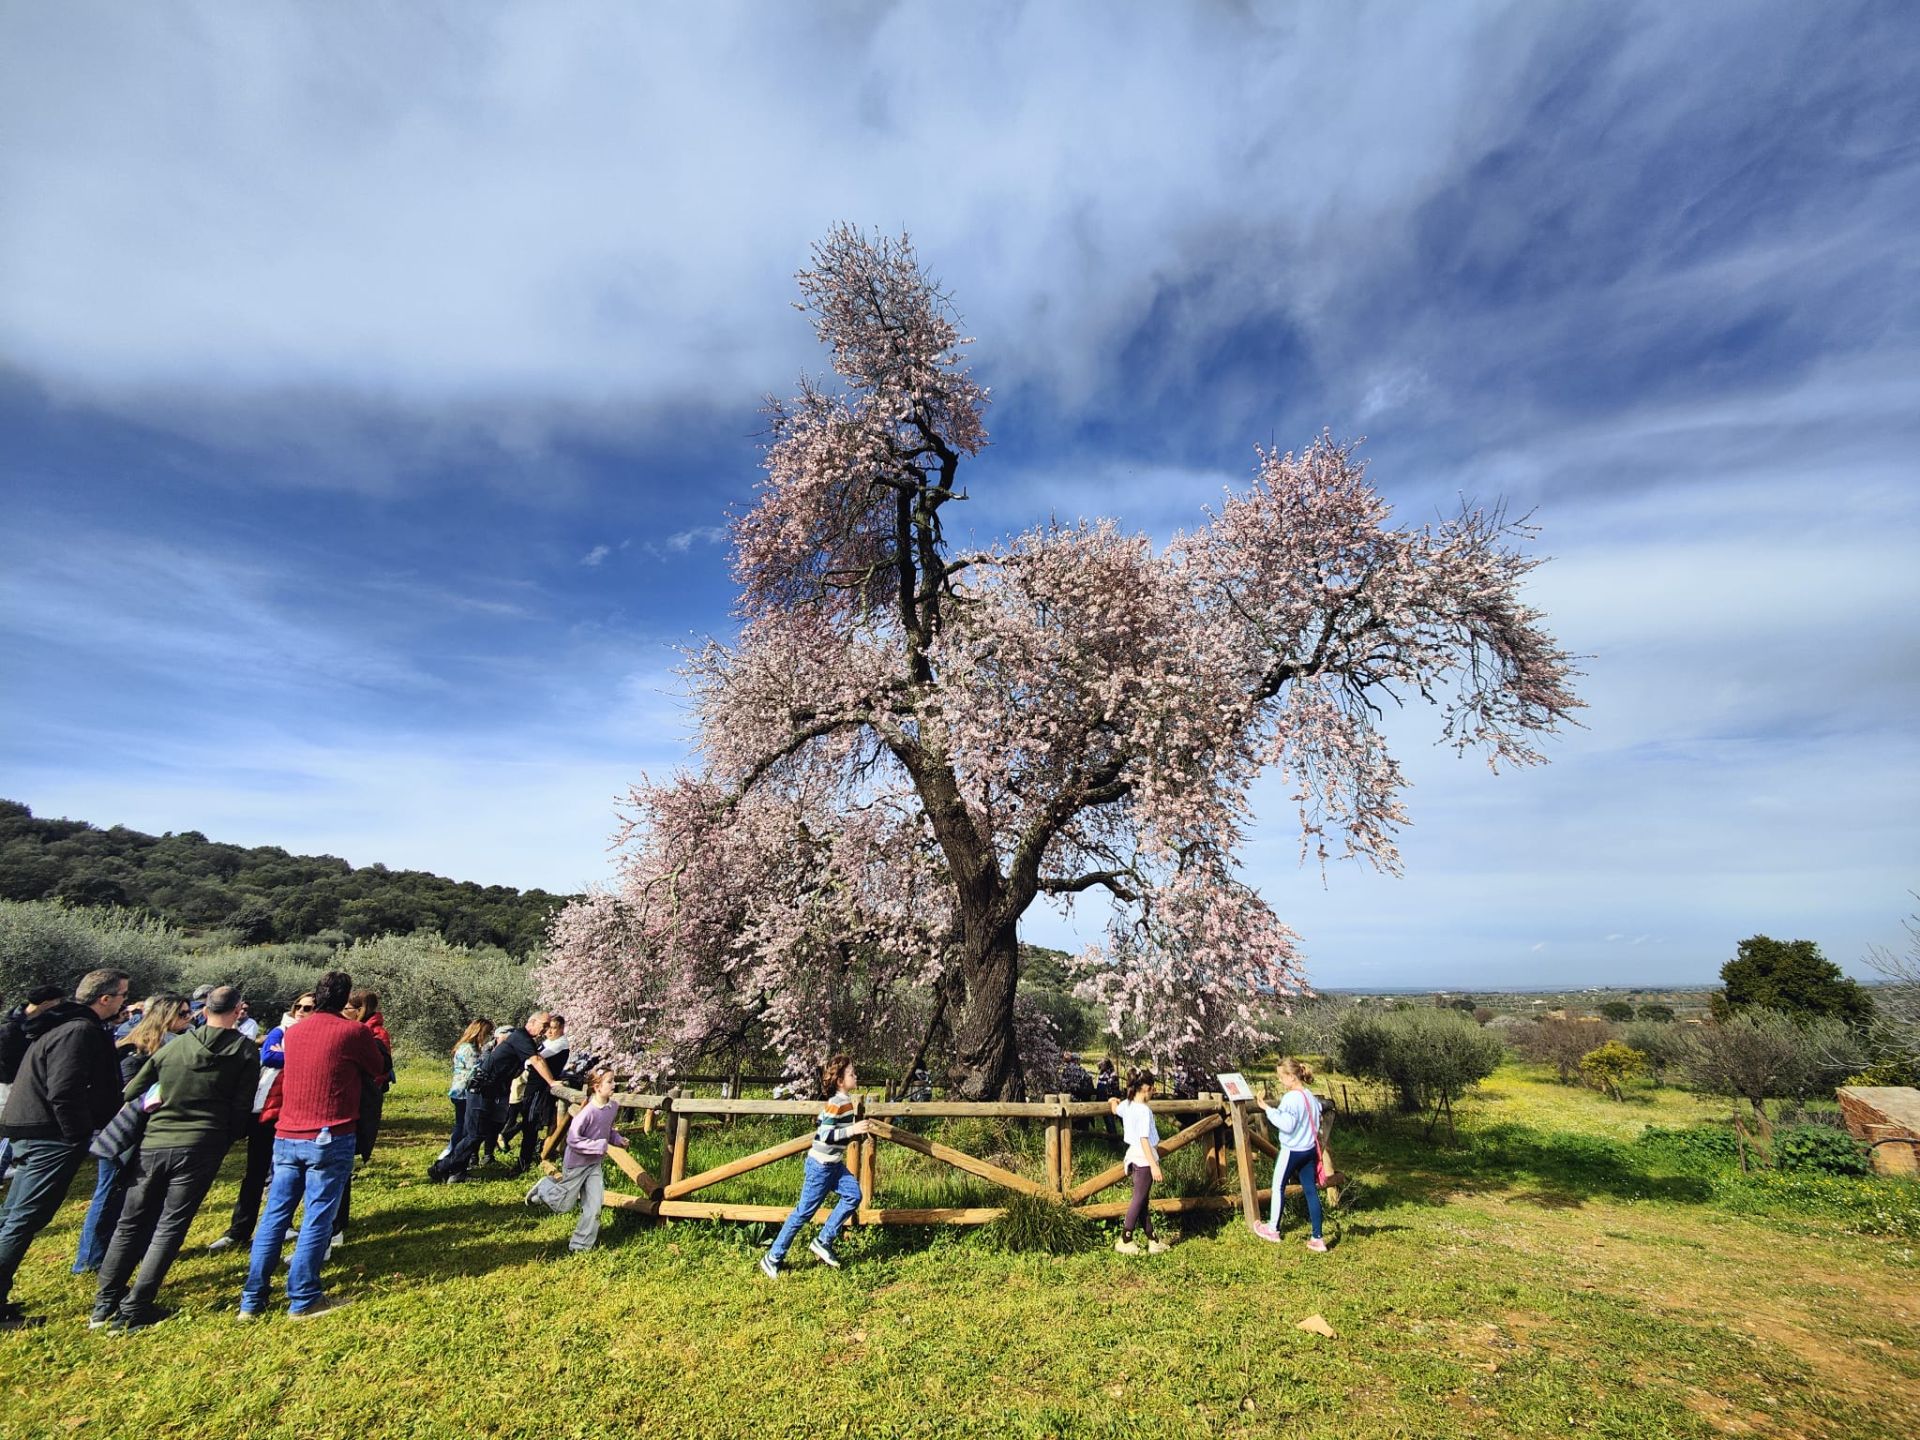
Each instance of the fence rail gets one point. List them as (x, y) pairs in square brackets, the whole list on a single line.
[(1231, 1136)]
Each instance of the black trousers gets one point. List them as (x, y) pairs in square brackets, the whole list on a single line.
[(483, 1123), (163, 1196), (253, 1184), (541, 1110)]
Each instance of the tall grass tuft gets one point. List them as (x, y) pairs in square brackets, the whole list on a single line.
[(1037, 1224)]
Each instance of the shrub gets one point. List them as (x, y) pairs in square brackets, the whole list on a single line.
[(1561, 1043), (1820, 1149), (269, 976), (48, 942), (1618, 1011), (1429, 1057), (1760, 1055), (1665, 1045), (429, 989), (1038, 1224), (1609, 1066), (1663, 1014)]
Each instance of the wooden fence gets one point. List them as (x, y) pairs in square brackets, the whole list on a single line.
[(1231, 1136)]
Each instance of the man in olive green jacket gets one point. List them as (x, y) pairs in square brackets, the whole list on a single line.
[(205, 1080)]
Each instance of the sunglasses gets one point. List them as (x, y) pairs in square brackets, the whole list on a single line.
[(302, 1009)]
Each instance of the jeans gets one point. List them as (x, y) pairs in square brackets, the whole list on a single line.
[(813, 1190), (459, 1118), (583, 1185), (483, 1123), (253, 1184), (43, 1172), (1139, 1217), (303, 1170), (103, 1213), (163, 1195), (1301, 1163)]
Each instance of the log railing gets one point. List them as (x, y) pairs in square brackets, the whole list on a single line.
[(1221, 1125)]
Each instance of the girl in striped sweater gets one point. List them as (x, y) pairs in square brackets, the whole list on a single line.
[(826, 1170)]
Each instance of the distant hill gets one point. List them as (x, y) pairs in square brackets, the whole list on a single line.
[(263, 894)]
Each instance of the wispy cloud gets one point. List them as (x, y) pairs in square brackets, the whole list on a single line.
[(596, 555)]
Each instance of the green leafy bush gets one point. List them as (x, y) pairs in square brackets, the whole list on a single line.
[(1820, 1149), (1429, 1057), (429, 989), (48, 942)]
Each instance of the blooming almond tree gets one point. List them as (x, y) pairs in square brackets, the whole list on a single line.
[(905, 747)]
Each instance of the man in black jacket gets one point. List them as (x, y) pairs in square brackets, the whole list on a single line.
[(517, 1050), (67, 1088)]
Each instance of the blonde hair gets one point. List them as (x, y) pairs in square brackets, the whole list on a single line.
[(1295, 1067), (156, 1022)]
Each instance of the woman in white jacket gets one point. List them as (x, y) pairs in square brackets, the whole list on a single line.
[(1295, 1118)]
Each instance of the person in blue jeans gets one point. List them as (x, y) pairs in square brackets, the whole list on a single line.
[(1295, 1118), (826, 1171), (328, 1059)]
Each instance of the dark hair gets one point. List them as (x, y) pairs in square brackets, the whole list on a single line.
[(41, 994), (830, 1073), (331, 990), (223, 1000), (1137, 1079), (556, 1018), (365, 1001)]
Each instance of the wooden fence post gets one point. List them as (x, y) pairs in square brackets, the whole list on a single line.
[(1214, 1144), (1243, 1159), (674, 1129), (1066, 1147), (1053, 1146)]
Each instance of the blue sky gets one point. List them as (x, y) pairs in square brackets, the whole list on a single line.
[(374, 382)]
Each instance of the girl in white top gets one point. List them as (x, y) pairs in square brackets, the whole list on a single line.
[(1142, 1139), (1295, 1118)]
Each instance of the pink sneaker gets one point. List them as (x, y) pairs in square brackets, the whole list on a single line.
[(1317, 1245), (1267, 1232)]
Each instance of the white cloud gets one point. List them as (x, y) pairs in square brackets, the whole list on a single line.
[(596, 555)]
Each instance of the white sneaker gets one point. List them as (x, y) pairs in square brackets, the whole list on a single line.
[(332, 1245), (1126, 1247), (825, 1255), (225, 1242), (768, 1267)]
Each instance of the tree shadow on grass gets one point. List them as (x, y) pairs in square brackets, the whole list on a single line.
[(1557, 1170)]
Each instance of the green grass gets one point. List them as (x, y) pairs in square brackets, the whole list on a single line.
[(1540, 1277)]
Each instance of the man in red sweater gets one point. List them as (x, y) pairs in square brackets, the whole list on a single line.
[(329, 1058)]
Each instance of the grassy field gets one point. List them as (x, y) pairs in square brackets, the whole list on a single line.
[(1537, 1276)]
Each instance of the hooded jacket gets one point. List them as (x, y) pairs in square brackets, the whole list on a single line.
[(206, 1080), (69, 1081)]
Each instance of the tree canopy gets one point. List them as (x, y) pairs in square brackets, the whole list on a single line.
[(260, 894), (905, 746), (1793, 978)]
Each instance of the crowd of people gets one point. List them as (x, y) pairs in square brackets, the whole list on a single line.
[(157, 1092)]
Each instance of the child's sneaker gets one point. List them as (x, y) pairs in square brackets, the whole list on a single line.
[(1267, 1232), (825, 1255), (1158, 1247), (1317, 1245), (769, 1266), (1125, 1247)]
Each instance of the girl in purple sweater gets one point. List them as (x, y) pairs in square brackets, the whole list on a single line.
[(580, 1182)]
